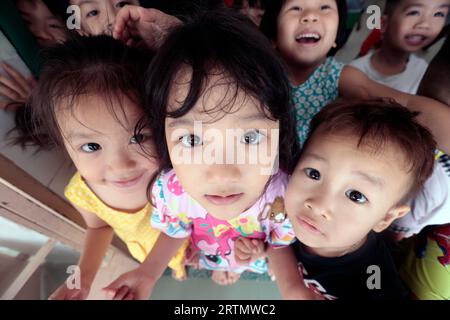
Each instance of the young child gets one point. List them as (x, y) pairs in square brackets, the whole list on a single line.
[(218, 94), (360, 164), (407, 27), (42, 23), (426, 269), (253, 9), (88, 100), (98, 16), (304, 33)]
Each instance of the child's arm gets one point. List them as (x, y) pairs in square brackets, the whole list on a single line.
[(98, 237), (290, 282), (138, 284), (434, 115)]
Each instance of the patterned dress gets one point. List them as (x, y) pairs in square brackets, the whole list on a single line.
[(178, 215), (321, 88)]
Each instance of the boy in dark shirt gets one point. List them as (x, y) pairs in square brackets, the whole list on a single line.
[(360, 164)]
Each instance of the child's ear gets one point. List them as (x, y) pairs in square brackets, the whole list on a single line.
[(394, 213)]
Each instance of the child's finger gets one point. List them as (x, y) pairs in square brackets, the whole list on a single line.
[(242, 258), (12, 86), (121, 293), (126, 15), (246, 245), (255, 246), (129, 296), (18, 78), (8, 92)]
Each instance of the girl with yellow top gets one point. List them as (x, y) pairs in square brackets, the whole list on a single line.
[(88, 100)]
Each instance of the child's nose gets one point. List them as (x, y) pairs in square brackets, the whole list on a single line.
[(223, 173), (424, 23), (309, 16), (121, 163), (318, 206)]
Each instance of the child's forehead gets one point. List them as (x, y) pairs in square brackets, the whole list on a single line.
[(220, 95), (348, 147), (85, 2), (96, 108), (434, 4)]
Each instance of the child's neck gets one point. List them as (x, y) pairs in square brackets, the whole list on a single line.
[(388, 60), (300, 73), (336, 252)]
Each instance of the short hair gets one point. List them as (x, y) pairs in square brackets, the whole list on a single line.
[(97, 65), (227, 42), (273, 7), (378, 123)]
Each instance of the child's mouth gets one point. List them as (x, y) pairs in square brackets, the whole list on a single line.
[(308, 38), (415, 40), (219, 200)]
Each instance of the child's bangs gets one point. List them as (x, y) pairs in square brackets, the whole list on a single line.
[(202, 82)]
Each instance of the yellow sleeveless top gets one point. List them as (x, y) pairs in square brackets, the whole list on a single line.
[(133, 228)]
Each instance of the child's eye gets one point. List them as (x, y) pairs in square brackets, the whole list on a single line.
[(122, 4), (138, 138), (90, 147), (252, 137), (356, 196), (413, 13), (325, 7), (295, 8), (92, 13), (312, 173), (190, 140), (440, 14)]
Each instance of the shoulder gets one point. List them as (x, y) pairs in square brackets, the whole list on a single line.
[(168, 194), (77, 191), (332, 65), (166, 187), (419, 62), (277, 185), (361, 63)]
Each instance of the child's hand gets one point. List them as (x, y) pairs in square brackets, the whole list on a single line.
[(248, 250), (133, 285), (135, 24), (64, 293), (14, 86)]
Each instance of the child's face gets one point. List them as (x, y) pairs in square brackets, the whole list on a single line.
[(253, 13), (103, 147), (98, 16), (414, 24), (338, 193), (47, 29), (223, 174), (307, 30)]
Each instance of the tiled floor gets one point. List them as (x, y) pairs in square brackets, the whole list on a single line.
[(205, 289)]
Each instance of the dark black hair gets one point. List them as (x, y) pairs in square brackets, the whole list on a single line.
[(227, 42), (378, 123), (269, 22), (99, 65)]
